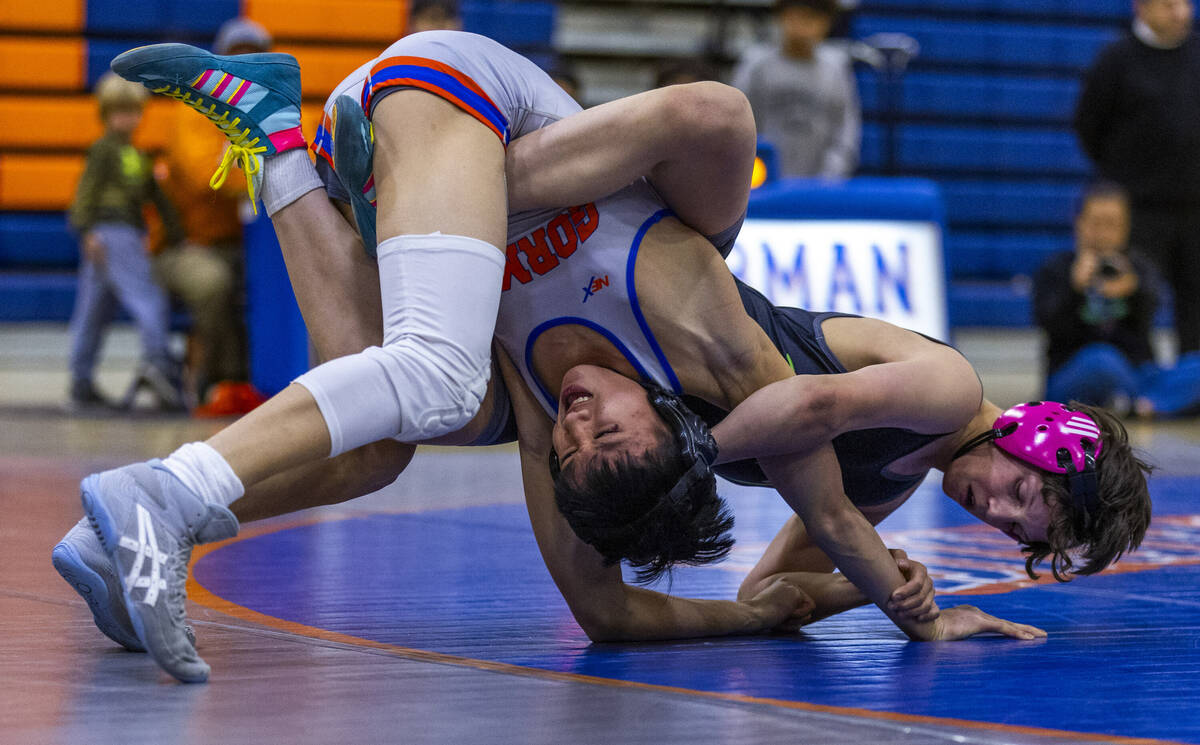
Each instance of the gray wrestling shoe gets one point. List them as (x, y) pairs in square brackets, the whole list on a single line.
[(80, 560), (147, 521), (353, 150)]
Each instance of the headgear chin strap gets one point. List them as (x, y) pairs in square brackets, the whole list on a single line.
[(696, 443), (1054, 438)]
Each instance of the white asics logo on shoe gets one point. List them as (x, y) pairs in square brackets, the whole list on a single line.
[(146, 547)]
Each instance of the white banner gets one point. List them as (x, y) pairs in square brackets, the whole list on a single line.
[(890, 270)]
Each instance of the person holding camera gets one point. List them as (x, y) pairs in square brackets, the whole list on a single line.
[(1097, 305)]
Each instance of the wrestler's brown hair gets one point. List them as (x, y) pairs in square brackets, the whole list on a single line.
[(1120, 521)]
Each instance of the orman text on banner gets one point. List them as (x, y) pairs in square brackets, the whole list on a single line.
[(887, 269)]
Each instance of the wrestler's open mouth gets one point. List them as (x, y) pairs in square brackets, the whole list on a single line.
[(573, 395)]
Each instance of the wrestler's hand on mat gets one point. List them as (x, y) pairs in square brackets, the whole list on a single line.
[(782, 605), (913, 599), (963, 621)]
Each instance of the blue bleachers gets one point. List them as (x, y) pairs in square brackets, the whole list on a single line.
[(100, 52), (1014, 204), (999, 255), (975, 149), (976, 96), (520, 24), (994, 43), (36, 239), (1106, 10), (36, 296), (986, 110), (163, 18), (933, 150), (989, 304)]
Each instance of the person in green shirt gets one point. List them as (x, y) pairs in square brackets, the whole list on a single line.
[(117, 181)]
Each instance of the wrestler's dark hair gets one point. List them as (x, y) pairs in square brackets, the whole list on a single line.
[(619, 507), (1117, 525)]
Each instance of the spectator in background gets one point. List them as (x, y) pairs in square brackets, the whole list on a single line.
[(433, 15), (1138, 118), (117, 182), (803, 93), (207, 273), (1097, 305), (679, 72)]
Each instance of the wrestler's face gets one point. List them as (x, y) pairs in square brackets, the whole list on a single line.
[(1000, 490), (603, 414)]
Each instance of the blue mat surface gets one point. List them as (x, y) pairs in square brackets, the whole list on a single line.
[(1122, 658)]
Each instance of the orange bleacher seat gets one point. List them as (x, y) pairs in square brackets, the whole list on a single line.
[(38, 182), (42, 63), (347, 20), (322, 68), (40, 15), (32, 122), (155, 128)]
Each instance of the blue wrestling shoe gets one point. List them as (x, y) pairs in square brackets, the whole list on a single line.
[(353, 150), (254, 99), (147, 522), (80, 560)]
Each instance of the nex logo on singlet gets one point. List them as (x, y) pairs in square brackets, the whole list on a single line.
[(595, 284), (555, 240)]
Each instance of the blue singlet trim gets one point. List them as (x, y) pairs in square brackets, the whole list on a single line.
[(561, 321), (633, 301)]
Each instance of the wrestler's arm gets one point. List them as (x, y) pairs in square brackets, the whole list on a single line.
[(695, 143), (792, 555), (811, 483), (923, 387), (605, 607)]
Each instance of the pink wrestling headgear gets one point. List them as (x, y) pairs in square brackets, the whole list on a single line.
[(1054, 438)]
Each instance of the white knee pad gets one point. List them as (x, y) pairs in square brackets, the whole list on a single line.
[(440, 297)]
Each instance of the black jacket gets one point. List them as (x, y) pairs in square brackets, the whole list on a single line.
[(1071, 322), (1138, 119)]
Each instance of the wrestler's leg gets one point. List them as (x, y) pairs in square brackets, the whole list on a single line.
[(431, 162), (437, 169), (425, 163), (336, 283), (695, 143)]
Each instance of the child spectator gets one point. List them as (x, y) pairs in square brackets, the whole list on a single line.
[(803, 93), (117, 182)]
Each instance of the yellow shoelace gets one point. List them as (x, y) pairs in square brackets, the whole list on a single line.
[(240, 151)]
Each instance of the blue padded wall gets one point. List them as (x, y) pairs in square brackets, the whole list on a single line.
[(159, 18), (36, 239)]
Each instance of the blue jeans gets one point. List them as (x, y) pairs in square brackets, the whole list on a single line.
[(1099, 372), (1175, 391), (125, 277)]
